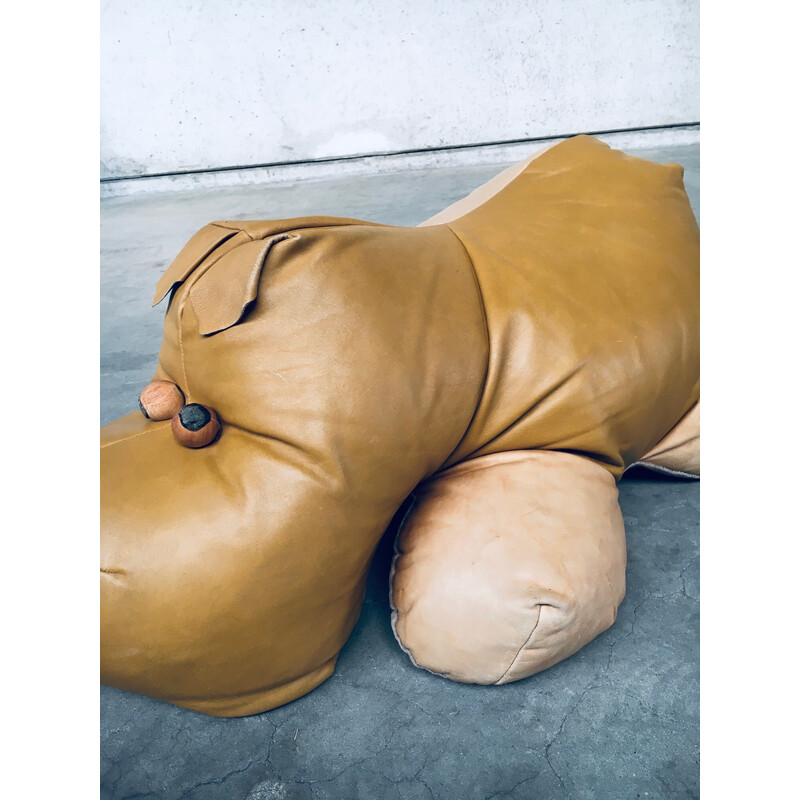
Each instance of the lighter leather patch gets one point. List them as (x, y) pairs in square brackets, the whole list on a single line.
[(225, 291)]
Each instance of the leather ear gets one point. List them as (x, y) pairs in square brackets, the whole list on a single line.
[(225, 291), (215, 234), (675, 169), (193, 253)]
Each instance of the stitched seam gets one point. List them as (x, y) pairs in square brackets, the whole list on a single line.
[(255, 276), (180, 347), (190, 281), (395, 615), (488, 342), (524, 645), (231, 227), (478, 463), (135, 436), (248, 693), (177, 282), (664, 470), (652, 449)]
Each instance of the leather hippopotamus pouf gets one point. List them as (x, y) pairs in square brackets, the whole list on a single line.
[(503, 363)]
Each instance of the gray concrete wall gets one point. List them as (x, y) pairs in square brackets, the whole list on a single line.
[(203, 84)]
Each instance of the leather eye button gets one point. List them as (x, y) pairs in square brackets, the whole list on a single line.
[(161, 400), (196, 425)]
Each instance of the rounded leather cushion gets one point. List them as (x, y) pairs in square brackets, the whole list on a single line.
[(507, 564)]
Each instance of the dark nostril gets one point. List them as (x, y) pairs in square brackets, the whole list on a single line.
[(196, 425), (194, 416), (160, 400)]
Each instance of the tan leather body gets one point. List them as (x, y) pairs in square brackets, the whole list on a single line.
[(588, 265), (349, 362)]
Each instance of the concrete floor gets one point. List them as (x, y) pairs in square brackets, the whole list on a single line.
[(619, 719)]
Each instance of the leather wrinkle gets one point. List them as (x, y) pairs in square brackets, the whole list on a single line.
[(534, 406)]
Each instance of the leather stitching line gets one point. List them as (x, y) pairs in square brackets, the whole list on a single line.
[(488, 343), (395, 615), (135, 436), (180, 345), (196, 274), (524, 645)]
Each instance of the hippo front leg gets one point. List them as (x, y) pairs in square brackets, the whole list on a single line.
[(507, 564)]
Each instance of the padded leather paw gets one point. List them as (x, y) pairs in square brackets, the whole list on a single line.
[(507, 565)]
